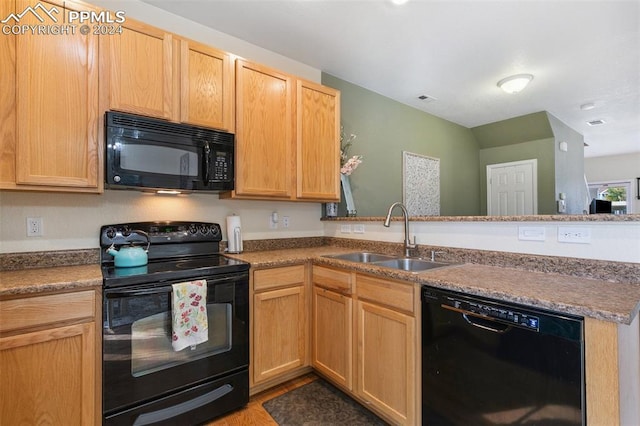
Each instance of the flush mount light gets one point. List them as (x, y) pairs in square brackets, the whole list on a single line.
[(399, 2), (515, 83)]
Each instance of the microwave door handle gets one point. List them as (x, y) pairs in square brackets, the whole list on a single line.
[(207, 162)]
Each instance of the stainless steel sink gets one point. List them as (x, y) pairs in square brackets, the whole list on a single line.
[(410, 264), (362, 257)]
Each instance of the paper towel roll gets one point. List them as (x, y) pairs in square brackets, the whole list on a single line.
[(234, 234)]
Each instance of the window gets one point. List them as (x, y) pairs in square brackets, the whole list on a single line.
[(616, 192)]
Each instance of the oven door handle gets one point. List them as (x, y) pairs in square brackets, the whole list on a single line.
[(139, 292), (110, 294)]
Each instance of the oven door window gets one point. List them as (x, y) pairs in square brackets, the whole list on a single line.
[(151, 348)]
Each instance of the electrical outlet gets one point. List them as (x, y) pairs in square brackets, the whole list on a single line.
[(574, 234), (34, 227), (285, 221), (358, 229)]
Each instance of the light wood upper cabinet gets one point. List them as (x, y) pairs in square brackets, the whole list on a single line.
[(50, 116), (279, 322), (50, 359), (206, 86), (287, 133), (318, 141), (264, 132), (140, 67)]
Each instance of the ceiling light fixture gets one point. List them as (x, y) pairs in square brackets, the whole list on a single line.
[(515, 83), (399, 2)]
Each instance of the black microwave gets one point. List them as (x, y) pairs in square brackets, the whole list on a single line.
[(149, 154)]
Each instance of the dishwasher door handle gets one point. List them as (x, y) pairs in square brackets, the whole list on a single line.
[(472, 319)]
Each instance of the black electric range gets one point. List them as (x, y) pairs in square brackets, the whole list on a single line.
[(177, 250)]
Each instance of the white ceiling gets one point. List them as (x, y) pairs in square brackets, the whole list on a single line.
[(585, 51)]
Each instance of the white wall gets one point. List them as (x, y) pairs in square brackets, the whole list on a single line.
[(613, 241), (625, 167), (72, 221)]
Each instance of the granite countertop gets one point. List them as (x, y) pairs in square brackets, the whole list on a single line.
[(609, 301), (616, 302), (50, 279), (519, 218)]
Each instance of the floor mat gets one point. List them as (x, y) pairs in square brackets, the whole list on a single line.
[(318, 403)]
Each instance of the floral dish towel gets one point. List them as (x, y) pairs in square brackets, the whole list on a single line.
[(189, 319)]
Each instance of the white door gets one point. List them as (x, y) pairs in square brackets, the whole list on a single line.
[(512, 188)]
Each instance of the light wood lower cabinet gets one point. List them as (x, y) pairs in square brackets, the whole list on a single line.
[(365, 340), (332, 336), (387, 376), (279, 322), (50, 359)]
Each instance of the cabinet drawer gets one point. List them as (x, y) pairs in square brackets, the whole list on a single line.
[(332, 278), (35, 311), (394, 294), (278, 277)]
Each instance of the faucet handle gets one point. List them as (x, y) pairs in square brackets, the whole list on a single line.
[(433, 254)]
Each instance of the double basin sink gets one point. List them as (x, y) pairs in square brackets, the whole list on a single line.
[(409, 264)]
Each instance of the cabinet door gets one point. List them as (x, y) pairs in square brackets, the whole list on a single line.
[(386, 361), (141, 71), (49, 377), (7, 102), (332, 336), (207, 86), (278, 332), (57, 107), (265, 158), (318, 142)]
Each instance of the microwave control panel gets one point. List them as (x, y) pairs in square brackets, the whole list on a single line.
[(222, 167)]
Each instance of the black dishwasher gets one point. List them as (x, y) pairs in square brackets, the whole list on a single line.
[(485, 362)]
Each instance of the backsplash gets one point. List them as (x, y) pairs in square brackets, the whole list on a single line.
[(619, 272)]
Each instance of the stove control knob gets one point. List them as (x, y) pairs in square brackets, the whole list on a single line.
[(110, 232), (204, 229), (126, 231), (193, 228), (214, 230)]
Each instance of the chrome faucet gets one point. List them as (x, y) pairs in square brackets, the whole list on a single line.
[(407, 240)]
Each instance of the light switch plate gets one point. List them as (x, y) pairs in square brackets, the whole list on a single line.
[(345, 229), (358, 229), (531, 233)]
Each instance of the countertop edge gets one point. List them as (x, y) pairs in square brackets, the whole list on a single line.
[(432, 278)]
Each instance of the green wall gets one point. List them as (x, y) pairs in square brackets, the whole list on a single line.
[(384, 129)]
